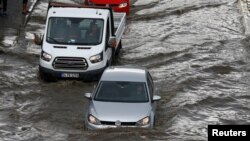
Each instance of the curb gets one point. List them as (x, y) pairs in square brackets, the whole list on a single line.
[(246, 16), (31, 8)]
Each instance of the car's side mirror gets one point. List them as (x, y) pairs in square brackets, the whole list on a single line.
[(37, 39), (112, 42), (87, 95), (156, 98)]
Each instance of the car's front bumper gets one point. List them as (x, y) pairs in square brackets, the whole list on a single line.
[(93, 126)]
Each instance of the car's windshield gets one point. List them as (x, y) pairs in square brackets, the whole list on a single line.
[(116, 91), (74, 31)]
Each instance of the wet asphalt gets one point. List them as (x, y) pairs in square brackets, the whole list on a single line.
[(196, 51)]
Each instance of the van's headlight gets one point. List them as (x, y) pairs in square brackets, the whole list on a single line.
[(122, 5), (96, 58), (143, 121), (93, 120), (45, 56)]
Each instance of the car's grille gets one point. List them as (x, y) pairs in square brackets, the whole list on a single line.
[(71, 63), (122, 123)]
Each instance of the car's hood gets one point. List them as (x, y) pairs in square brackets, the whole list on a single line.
[(124, 112), (108, 1)]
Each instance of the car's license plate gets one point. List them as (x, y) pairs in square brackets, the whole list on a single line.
[(70, 75)]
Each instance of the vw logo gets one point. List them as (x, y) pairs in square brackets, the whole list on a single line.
[(118, 123)]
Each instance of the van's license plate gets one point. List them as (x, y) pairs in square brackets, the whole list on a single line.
[(70, 75)]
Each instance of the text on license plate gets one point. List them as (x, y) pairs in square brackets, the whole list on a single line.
[(70, 75)]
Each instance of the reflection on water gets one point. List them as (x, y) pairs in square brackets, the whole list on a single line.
[(195, 49)]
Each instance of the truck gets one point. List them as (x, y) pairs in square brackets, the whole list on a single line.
[(117, 5), (79, 41)]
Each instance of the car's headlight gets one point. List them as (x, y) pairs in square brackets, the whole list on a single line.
[(143, 121), (45, 56), (96, 58), (122, 5), (93, 120)]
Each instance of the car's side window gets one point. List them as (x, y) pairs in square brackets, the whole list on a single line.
[(150, 85)]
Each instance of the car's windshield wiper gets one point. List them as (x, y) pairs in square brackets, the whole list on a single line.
[(54, 40)]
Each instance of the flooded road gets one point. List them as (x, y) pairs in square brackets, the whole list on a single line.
[(196, 51)]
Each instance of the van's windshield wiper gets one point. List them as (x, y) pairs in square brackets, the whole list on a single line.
[(54, 40)]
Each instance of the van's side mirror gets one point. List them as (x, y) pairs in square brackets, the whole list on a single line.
[(112, 42), (37, 39), (156, 98), (87, 95)]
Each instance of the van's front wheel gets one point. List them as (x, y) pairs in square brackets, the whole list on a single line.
[(45, 77)]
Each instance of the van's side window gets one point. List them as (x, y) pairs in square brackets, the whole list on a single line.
[(107, 35)]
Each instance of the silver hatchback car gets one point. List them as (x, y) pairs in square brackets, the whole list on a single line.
[(124, 97)]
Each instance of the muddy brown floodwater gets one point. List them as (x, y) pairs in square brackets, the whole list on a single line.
[(196, 51)]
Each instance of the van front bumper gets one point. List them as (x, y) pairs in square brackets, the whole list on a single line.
[(87, 75)]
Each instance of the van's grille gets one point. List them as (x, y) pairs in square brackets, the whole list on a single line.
[(70, 63)]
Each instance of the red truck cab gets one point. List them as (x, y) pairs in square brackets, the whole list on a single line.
[(117, 5)]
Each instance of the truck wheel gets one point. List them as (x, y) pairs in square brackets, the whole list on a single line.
[(111, 60), (154, 122), (118, 48), (45, 77)]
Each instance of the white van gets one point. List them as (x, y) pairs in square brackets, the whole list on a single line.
[(79, 42)]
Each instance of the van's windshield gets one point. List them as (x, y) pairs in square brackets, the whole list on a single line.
[(74, 31)]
